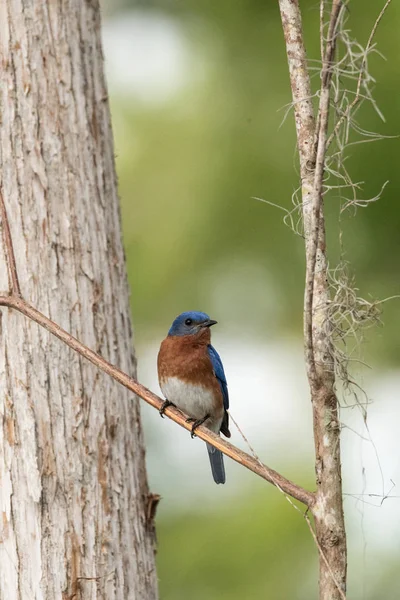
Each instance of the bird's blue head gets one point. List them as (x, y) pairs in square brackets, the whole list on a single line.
[(189, 323)]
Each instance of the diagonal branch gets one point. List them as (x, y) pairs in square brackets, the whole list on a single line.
[(174, 414), (15, 301)]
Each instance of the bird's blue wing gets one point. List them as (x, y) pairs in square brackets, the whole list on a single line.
[(219, 373)]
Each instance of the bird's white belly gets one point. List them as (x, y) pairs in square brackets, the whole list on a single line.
[(194, 400)]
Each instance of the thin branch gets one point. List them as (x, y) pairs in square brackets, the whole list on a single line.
[(13, 283), (321, 26), (314, 233), (174, 414), (357, 97), (305, 131)]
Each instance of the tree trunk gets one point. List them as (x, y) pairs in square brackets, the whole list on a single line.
[(73, 488)]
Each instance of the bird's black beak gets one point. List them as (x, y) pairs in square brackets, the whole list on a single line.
[(209, 323)]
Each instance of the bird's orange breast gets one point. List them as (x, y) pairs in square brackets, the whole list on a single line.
[(186, 357)]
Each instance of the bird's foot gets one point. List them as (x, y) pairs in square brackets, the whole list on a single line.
[(196, 423), (165, 405)]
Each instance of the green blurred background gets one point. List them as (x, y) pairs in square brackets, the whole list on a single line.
[(198, 93)]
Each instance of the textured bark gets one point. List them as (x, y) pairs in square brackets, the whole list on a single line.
[(73, 488), (311, 139)]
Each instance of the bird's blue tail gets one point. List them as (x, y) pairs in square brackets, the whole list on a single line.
[(217, 464)]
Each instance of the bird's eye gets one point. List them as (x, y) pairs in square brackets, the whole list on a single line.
[(188, 322)]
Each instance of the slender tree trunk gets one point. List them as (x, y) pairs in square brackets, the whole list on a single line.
[(311, 141), (73, 488)]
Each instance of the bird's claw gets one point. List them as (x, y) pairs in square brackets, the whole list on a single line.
[(196, 423), (165, 405), (191, 420)]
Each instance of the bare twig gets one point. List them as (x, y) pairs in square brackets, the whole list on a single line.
[(321, 27), (13, 282), (305, 130), (316, 235), (253, 452)]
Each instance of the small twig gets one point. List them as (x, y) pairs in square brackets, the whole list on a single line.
[(255, 455), (321, 27), (13, 282), (313, 237)]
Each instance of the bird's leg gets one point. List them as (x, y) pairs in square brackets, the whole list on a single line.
[(165, 405), (196, 423)]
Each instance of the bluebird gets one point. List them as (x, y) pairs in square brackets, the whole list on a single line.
[(192, 378)]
